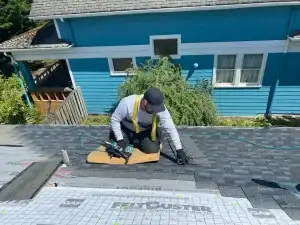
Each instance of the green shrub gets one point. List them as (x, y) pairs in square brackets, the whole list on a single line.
[(188, 105), (243, 122), (97, 120), (13, 109), (33, 116)]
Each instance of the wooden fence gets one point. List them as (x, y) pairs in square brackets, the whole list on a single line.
[(72, 111)]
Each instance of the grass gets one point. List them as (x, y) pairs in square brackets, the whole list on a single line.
[(287, 121), (97, 120)]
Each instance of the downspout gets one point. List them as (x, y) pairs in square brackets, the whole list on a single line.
[(283, 60), (20, 80)]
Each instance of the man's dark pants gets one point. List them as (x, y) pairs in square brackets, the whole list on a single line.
[(142, 140)]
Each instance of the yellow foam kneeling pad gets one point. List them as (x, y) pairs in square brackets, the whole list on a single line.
[(101, 157)]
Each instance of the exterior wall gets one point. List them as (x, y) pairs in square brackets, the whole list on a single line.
[(287, 95), (99, 89), (257, 24), (248, 101), (202, 26)]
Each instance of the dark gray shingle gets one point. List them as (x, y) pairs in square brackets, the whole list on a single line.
[(49, 8)]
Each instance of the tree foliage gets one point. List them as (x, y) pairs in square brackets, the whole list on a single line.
[(14, 18), (188, 105), (13, 108)]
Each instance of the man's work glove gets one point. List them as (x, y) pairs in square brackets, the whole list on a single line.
[(122, 144), (182, 159)]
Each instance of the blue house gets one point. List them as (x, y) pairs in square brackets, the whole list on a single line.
[(249, 50)]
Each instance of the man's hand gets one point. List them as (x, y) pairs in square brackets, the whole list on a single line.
[(122, 143), (181, 157)]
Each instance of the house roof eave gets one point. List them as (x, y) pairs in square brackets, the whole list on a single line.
[(36, 49), (43, 38)]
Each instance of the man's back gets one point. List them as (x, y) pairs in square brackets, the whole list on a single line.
[(126, 108)]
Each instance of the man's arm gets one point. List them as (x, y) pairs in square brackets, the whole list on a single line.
[(167, 123), (115, 121)]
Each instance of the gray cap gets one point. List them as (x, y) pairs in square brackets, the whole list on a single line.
[(155, 100)]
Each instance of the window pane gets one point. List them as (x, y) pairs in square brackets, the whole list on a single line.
[(120, 65), (225, 76), (165, 47), (252, 61), (226, 62), (249, 76)]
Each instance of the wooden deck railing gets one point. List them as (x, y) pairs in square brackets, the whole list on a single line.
[(72, 111), (49, 99), (42, 78)]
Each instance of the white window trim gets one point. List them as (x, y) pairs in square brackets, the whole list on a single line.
[(111, 66), (172, 36), (237, 74)]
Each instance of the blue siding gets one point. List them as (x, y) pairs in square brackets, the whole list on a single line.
[(287, 96), (204, 70), (248, 101), (242, 101), (100, 89), (202, 26)]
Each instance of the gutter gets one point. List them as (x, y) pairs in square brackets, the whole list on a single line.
[(34, 49), (164, 10)]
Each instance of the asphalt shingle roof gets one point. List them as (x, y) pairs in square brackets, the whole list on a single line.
[(257, 164), (39, 37), (50, 8)]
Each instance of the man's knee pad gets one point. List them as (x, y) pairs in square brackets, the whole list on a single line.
[(151, 147)]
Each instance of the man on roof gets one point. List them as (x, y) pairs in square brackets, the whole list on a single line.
[(134, 121)]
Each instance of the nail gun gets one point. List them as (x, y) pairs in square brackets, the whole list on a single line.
[(114, 150)]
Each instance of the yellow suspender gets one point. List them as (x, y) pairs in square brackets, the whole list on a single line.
[(135, 110), (135, 123), (153, 132)]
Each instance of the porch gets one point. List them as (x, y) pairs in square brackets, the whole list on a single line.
[(47, 80), (52, 86)]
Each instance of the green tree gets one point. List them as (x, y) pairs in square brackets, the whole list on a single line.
[(13, 108), (188, 104), (14, 18)]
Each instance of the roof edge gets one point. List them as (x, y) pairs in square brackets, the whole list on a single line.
[(162, 10), (34, 49)]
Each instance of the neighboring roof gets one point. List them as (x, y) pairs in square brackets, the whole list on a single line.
[(39, 37), (295, 35), (72, 8)]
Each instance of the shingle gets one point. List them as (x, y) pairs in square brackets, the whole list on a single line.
[(63, 7), (40, 37)]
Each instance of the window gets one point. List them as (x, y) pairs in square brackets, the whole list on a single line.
[(241, 70), (251, 68), (167, 45), (119, 65), (225, 68)]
